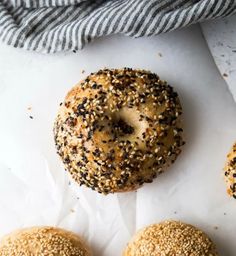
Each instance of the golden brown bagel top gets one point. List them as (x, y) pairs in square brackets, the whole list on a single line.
[(118, 129), (170, 238), (43, 241)]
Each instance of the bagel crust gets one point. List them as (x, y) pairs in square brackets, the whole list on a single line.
[(43, 241), (118, 129), (230, 172), (170, 238)]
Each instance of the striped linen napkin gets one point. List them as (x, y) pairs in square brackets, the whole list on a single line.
[(51, 26)]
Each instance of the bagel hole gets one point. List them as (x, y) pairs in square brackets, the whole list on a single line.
[(122, 128)]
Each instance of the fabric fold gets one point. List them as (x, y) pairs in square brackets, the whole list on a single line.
[(44, 3), (51, 26)]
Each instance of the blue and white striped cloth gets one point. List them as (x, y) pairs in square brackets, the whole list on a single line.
[(60, 25)]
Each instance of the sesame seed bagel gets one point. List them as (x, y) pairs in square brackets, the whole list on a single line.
[(118, 129), (43, 241), (170, 238), (230, 172)]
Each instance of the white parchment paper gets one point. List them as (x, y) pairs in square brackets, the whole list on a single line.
[(220, 35), (34, 188)]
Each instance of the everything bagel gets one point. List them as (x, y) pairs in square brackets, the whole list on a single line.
[(118, 129)]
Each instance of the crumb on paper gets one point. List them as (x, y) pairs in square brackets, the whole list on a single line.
[(175, 212), (29, 108), (74, 51), (69, 183), (31, 117), (225, 75), (72, 210), (224, 213), (82, 71), (160, 54), (216, 227)]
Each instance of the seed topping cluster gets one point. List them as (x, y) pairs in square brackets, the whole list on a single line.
[(230, 172), (43, 241), (170, 238), (118, 129)]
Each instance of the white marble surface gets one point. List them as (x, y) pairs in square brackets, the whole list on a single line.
[(34, 189)]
